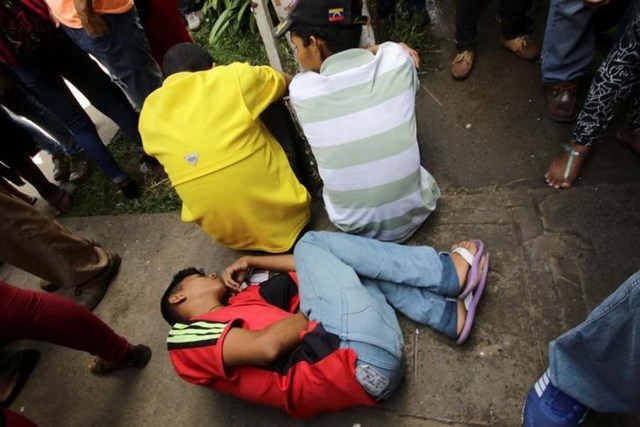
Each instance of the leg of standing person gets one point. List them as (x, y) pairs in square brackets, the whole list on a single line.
[(12, 419), (515, 28), (34, 243), (70, 162), (467, 15), (124, 51), (54, 93), (594, 365), (164, 28), (15, 192), (616, 79), (50, 318), (81, 71), (629, 133), (567, 53), (13, 153)]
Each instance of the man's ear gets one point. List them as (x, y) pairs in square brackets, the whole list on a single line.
[(177, 298), (321, 48)]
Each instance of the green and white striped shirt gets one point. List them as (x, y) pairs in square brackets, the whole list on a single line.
[(358, 114)]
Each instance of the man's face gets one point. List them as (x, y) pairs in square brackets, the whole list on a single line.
[(308, 56), (197, 291)]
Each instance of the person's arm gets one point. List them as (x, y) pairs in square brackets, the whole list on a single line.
[(91, 21), (242, 347), (412, 53), (287, 78), (236, 273)]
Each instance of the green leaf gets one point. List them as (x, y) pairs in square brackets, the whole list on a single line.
[(243, 9), (220, 25)]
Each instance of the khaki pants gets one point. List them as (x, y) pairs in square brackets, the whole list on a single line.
[(41, 246)]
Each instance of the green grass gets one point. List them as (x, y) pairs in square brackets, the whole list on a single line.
[(98, 196)]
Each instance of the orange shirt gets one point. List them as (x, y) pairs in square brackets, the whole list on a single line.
[(65, 12)]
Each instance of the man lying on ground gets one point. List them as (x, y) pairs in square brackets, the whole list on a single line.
[(344, 347), (357, 109), (233, 177)]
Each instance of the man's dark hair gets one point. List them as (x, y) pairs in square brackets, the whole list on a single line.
[(186, 57), (168, 310), (337, 38)]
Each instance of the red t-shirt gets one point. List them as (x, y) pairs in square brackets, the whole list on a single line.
[(317, 377)]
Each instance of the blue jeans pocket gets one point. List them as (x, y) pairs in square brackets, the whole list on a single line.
[(366, 320)]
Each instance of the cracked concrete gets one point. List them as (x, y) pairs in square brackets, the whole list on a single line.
[(555, 255)]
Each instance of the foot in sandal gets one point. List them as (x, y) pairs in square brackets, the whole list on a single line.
[(472, 267), (466, 258), (566, 168)]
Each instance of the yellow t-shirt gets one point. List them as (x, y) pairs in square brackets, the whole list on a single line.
[(65, 11), (233, 177)]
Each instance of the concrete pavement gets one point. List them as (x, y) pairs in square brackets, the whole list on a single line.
[(555, 255)]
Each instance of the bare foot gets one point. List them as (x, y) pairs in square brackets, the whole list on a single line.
[(462, 311), (558, 176), (461, 266)]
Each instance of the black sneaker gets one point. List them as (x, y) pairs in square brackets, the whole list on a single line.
[(148, 164), (61, 167), (129, 188), (79, 167)]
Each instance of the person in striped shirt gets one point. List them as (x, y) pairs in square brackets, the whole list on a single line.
[(357, 109)]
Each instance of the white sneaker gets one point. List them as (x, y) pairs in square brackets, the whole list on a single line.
[(194, 19)]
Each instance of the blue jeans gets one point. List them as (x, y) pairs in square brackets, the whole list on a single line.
[(352, 284), (21, 102), (124, 51), (44, 79), (569, 41), (598, 362)]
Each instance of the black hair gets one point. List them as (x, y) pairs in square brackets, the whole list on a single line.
[(337, 38), (168, 310), (186, 57)]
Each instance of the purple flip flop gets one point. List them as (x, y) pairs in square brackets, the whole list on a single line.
[(473, 305), (472, 274)]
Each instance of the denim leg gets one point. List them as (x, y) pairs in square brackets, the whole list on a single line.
[(58, 139), (52, 92), (76, 66), (124, 51), (596, 362), (424, 307), (617, 78), (569, 41), (467, 14), (515, 22), (419, 266), (332, 293)]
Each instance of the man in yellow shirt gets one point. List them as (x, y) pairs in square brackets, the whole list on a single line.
[(233, 177)]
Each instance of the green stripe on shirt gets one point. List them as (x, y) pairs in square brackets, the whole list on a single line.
[(376, 196), (370, 149), (192, 338), (340, 103)]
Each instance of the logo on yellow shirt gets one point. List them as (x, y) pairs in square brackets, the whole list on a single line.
[(192, 158)]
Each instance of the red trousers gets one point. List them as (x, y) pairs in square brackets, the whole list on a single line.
[(164, 28), (44, 317)]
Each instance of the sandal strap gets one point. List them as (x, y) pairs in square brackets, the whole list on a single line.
[(572, 155), (465, 254)]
